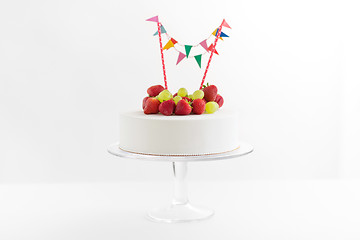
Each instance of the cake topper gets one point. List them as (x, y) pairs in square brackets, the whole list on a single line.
[(173, 44)]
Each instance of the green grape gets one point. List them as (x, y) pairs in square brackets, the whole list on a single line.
[(177, 99), (198, 94), (182, 92), (191, 96), (164, 95), (211, 107)]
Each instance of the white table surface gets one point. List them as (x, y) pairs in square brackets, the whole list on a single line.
[(301, 209)]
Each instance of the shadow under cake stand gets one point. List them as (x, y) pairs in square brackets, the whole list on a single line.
[(181, 210)]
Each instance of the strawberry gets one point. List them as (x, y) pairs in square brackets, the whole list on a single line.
[(187, 99), (144, 101), (210, 93), (198, 106), (220, 100), (182, 108), (167, 107), (151, 106), (153, 91)]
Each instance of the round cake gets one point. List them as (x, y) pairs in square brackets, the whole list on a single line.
[(157, 134)]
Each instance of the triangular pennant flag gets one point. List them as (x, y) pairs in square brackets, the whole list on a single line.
[(215, 33), (222, 34), (153, 19), (162, 29), (180, 57), (204, 45), (198, 59), (225, 24), (211, 48), (187, 49), (173, 41), (168, 45)]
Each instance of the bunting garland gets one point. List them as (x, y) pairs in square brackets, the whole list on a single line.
[(198, 59), (211, 48), (180, 57), (204, 45), (173, 44), (187, 50), (162, 31)]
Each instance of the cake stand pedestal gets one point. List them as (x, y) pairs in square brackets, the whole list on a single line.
[(181, 210)]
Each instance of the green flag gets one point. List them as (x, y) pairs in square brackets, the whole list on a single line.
[(198, 59), (187, 49)]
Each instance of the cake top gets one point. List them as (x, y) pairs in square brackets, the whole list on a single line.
[(206, 99)]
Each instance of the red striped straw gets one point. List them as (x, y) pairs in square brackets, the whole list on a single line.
[(211, 54), (162, 54)]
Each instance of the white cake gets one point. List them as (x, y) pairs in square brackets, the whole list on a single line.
[(157, 134)]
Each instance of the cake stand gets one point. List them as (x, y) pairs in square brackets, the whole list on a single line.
[(181, 210)]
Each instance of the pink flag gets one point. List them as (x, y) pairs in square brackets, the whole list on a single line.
[(204, 45), (181, 57), (153, 19), (224, 24)]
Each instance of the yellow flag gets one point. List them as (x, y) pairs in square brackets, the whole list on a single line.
[(215, 35), (169, 44)]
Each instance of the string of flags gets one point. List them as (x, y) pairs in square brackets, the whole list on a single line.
[(187, 49)]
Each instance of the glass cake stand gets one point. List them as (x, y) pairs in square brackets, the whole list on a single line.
[(180, 210)]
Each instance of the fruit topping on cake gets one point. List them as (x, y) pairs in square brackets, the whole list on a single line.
[(151, 106), (210, 92), (155, 90), (183, 108), (177, 99), (220, 100), (211, 107), (182, 92), (167, 107), (144, 102), (198, 106), (164, 95), (181, 103)]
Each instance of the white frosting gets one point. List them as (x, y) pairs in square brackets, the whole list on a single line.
[(179, 135)]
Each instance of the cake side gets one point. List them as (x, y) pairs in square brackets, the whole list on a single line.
[(179, 135)]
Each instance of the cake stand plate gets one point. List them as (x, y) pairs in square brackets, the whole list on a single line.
[(181, 210)]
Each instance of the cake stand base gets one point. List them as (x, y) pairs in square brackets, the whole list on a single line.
[(180, 213), (180, 209)]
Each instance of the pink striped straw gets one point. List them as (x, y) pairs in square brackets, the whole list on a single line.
[(211, 54)]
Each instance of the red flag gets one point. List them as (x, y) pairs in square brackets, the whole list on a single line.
[(211, 48)]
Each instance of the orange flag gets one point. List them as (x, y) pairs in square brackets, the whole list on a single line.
[(168, 45)]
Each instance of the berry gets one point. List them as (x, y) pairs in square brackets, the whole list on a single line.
[(220, 100), (211, 107), (177, 99), (167, 107), (144, 101), (155, 90), (182, 92), (151, 106), (210, 93), (187, 99), (164, 95), (198, 106), (198, 94), (182, 108), (175, 95)]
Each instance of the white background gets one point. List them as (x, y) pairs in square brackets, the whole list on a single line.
[(67, 68)]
